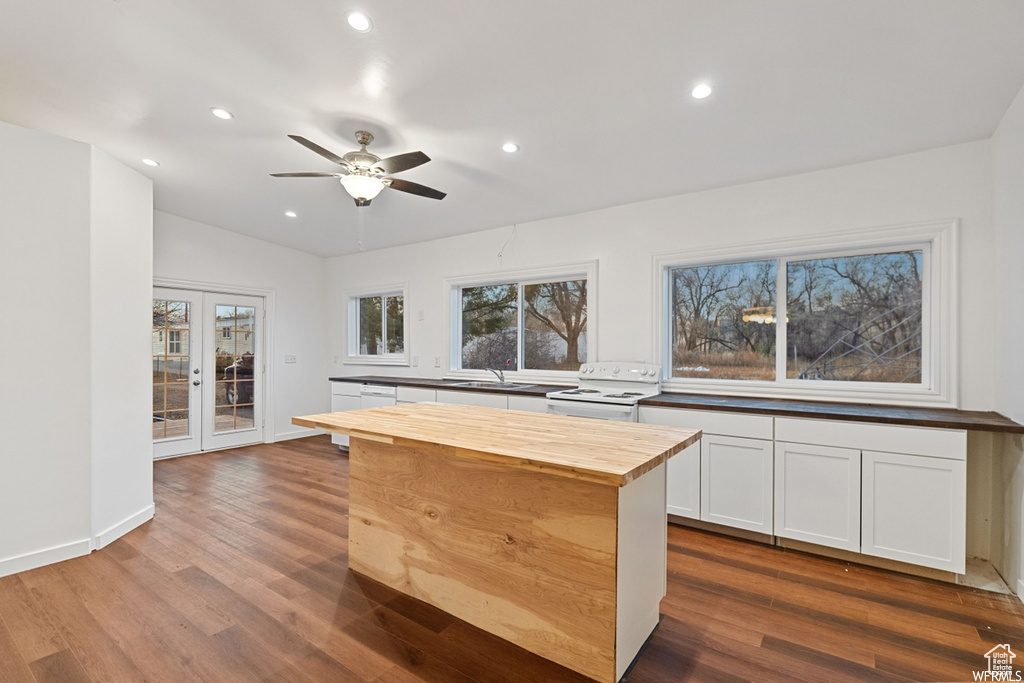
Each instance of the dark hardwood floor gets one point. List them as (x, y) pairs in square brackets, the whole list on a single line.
[(242, 576)]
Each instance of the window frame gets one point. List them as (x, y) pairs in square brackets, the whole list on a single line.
[(352, 297), (585, 270), (938, 241)]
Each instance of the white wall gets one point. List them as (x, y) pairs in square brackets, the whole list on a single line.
[(943, 183), (59, 202), (209, 256), (1008, 287), (121, 319)]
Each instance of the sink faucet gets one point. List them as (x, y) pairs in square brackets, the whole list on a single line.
[(500, 375)]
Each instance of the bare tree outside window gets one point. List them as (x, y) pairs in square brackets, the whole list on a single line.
[(540, 326), (555, 325), (723, 321), (856, 318)]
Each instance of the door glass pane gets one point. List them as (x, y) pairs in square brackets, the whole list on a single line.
[(234, 393), (170, 368)]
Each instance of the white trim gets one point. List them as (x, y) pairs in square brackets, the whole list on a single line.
[(566, 271), (351, 298), (1020, 588), (124, 526), (298, 434), (41, 558), (940, 361)]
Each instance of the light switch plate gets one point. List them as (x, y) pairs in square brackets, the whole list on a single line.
[(290, 359)]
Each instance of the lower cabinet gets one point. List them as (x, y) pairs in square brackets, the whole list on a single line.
[(683, 483), (415, 394), (344, 396), (528, 404), (736, 482), (817, 494), (915, 509)]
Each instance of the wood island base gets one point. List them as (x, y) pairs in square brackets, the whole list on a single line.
[(569, 568)]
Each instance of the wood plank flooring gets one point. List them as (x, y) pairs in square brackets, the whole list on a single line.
[(242, 576)]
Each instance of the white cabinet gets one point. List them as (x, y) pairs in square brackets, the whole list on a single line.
[(915, 509), (529, 404), (736, 482), (726, 478), (683, 483), (416, 394), (472, 398), (344, 396), (817, 494)]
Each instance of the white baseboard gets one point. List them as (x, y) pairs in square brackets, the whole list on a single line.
[(297, 434), (40, 558), (124, 526)]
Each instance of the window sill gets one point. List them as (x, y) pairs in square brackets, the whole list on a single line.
[(376, 360)]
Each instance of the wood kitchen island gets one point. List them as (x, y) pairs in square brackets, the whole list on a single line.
[(547, 531)]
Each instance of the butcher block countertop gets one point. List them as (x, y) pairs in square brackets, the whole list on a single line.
[(604, 452)]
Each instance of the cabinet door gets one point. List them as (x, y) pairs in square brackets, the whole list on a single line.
[(683, 487), (915, 509), (817, 494), (341, 403), (529, 404), (472, 398), (736, 482)]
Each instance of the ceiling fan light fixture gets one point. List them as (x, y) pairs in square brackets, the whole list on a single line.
[(221, 113), (510, 147), (362, 187), (150, 162), (359, 21)]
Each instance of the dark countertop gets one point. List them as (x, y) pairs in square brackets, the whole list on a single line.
[(943, 418)]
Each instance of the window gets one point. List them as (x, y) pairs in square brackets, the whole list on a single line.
[(377, 328), (521, 324), (866, 318), (173, 342)]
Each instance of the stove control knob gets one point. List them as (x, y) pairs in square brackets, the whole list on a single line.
[(643, 372), (615, 370)]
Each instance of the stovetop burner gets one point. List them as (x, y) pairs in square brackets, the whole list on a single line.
[(581, 391)]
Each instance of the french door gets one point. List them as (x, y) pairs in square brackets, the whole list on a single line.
[(207, 371)]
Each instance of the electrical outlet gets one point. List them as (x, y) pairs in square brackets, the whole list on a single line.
[(335, 359), (420, 316), (437, 361), (415, 361), (290, 359)]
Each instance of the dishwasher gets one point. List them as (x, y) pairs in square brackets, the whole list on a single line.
[(376, 396)]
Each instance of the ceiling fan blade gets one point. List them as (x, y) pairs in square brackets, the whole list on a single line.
[(307, 175), (401, 162), (415, 188), (325, 153)]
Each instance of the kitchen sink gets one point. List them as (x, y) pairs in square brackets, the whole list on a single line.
[(491, 385)]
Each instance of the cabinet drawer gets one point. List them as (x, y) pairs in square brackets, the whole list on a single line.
[(345, 388), (472, 398), (710, 421), (415, 394), (935, 443)]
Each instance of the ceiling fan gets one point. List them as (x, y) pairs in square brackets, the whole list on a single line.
[(366, 174)]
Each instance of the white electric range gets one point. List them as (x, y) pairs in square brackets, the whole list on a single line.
[(608, 391)]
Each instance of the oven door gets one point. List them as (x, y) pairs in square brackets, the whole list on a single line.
[(601, 411)]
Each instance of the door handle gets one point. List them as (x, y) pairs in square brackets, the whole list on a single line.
[(195, 382)]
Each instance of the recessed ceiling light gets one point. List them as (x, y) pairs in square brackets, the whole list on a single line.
[(359, 22), (221, 113), (290, 214), (150, 162), (701, 91), (510, 147)]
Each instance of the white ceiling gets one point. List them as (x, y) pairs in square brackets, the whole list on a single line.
[(595, 92)]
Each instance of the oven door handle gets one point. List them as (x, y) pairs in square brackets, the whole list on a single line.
[(601, 411)]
